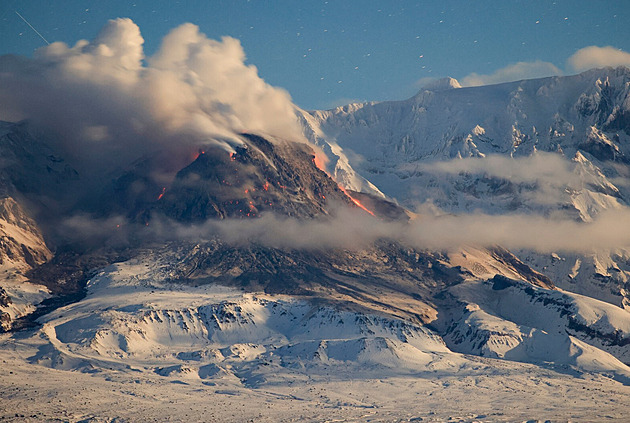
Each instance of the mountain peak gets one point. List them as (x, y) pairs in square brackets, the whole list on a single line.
[(442, 84)]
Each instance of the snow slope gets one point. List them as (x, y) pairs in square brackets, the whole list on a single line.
[(131, 317), (521, 322)]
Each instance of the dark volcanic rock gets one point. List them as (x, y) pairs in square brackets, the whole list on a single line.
[(256, 178), (373, 275), (5, 300), (530, 275)]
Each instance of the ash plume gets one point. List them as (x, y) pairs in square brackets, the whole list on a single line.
[(108, 104)]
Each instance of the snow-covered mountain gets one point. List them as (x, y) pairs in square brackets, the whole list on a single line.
[(552, 146), (388, 142), (155, 338)]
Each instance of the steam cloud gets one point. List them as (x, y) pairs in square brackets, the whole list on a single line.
[(108, 104)]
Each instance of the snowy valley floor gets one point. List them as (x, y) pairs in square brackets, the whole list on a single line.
[(138, 349), (490, 391)]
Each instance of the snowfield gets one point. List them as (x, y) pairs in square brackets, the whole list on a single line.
[(137, 343)]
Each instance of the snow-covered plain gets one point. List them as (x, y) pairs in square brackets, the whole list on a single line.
[(139, 348)]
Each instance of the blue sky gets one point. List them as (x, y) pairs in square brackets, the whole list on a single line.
[(327, 53)]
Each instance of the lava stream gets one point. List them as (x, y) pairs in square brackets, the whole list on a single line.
[(356, 202)]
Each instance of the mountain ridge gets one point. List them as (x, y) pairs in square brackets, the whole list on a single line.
[(572, 130)]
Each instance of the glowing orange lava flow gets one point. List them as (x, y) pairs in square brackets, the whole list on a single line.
[(196, 155), (162, 194), (320, 163), (356, 202)]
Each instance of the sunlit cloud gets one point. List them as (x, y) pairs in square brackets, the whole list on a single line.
[(598, 57), (106, 101), (514, 72), (584, 59)]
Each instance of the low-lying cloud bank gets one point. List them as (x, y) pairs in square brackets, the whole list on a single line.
[(547, 175), (582, 60), (108, 103), (354, 230)]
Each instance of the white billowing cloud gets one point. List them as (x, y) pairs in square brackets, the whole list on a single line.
[(584, 59), (540, 166), (549, 173), (598, 57), (106, 103), (113, 57), (222, 89), (515, 72)]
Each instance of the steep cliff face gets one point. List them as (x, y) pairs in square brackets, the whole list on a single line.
[(22, 244), (22, 248)]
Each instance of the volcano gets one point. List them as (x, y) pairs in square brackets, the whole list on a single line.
[(155, 277), (258, 177)]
